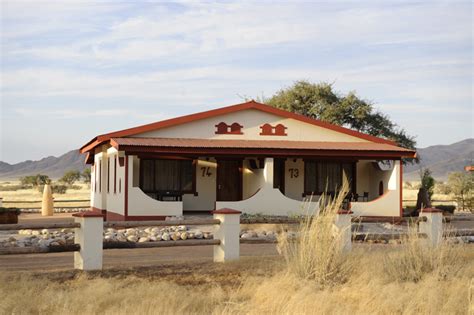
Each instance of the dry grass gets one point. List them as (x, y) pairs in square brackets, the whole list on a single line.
[(317, 278), (367, 290), (34, 194)]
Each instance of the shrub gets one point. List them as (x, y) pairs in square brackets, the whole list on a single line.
[(12, 187), (55, 188), (446, 208), (75, 187), (35, 180)]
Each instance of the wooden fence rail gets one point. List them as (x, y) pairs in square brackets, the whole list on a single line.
[(129, 224), (40, 250), (125, 245), (39, 201), (38, 226)]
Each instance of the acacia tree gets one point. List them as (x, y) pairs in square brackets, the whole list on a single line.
[(320, 101), (70, 177), (462, 186)]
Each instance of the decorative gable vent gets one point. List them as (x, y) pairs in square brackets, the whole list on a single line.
[(234, 129), (269, 130)]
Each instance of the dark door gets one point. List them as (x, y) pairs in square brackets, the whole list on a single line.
[(229, 180)]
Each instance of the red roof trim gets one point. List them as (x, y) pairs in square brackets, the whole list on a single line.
[(226, 110)]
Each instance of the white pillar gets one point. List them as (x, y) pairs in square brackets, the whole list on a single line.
[(343, 224), (268, 172), (89, 237), (433, 227), (228, 232)]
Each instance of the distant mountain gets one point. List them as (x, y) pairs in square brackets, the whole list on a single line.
[(52, 166), (442, 159)]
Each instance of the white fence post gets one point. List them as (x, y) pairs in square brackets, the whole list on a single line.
[(89, 237), (343, 224), (433, 227), (228, 232)]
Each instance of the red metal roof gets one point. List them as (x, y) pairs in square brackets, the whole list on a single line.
[(127, 143), (225, 110)]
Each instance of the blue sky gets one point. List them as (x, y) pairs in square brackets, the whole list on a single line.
[(71, 70)]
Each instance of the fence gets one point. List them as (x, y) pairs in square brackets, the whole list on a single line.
[(89, 227), (36, 204)]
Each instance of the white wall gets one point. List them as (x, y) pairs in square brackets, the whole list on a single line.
[(205, 185), (389, 203), (116, 197), (251, 120)]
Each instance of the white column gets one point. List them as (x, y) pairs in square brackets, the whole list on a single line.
[(228, 232), (433, 227), (89, 237), (268, 172), (343, 225)]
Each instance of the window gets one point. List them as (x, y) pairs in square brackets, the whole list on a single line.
[(326, 176), (167, 175), (234, 129), (100, 175), (279, 174), (269, 130)]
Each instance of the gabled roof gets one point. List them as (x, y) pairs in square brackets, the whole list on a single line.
[(226, 110)]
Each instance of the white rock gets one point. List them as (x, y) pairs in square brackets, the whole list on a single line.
[(121, 238), (165, 236), (132, 238), (181, 228), (246, 236), (143, 240), (131, 232), (153, 238), (111, 230), (44, 231), (109, 238), (175, 236), (198, 234), (35, 232), (184, 235), (190, 235), (207, 235)]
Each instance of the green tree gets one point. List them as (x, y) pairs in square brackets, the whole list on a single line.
[(427, 181), (35, 180), (462, 186), (320, 101), (86, 175), (70, 177)]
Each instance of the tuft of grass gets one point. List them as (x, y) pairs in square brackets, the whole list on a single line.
[(416, 259), (316, 252)]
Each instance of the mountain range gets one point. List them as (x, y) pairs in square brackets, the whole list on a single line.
[(440, 159)]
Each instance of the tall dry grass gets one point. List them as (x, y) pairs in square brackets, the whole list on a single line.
[(317, 251)]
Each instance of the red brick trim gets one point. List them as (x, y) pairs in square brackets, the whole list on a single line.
[(345, 212), (88, 214), (226, 110), (145, 217), (226, 211), (112, 216)]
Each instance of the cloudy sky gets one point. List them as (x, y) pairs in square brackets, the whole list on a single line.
[(72, 70)]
